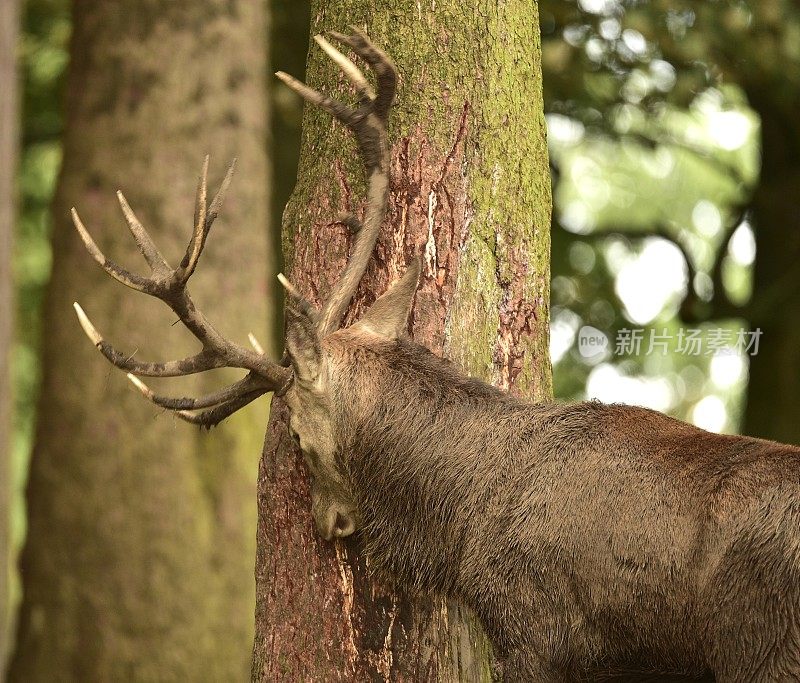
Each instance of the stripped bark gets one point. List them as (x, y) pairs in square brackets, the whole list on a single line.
[(470, 191)]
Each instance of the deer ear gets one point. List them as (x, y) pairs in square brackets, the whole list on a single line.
[(388, 316), (302, 343)]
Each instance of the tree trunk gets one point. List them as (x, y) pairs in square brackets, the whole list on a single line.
[(470, 189), (773, 393), (288, 44), (9, 26), (138, 562)]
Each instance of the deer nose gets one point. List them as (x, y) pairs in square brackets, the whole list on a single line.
[(337, 522), (344, 525)]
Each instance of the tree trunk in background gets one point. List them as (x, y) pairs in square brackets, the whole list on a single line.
[(773, 392), (288, 45), (9, 26), (470, 187), (139, 558)]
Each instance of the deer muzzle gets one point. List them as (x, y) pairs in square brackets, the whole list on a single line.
[(333, 518)]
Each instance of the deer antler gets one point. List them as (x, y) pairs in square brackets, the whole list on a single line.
[(169, 285), (368, 123)]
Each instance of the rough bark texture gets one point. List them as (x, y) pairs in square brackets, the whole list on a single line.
[(471, 191), (138, 563), (773, 392), (8, 164)]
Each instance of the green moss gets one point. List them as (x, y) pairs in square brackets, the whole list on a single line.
[(487, 55), (483, 56)]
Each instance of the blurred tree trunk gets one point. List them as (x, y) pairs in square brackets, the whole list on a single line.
[(773, 392), (288, 45), (9, 27), (470, 187), (139, 557)]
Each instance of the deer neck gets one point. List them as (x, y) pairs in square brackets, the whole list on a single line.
[(418, 466)]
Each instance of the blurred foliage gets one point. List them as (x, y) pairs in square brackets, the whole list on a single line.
[(599, 54), (637, 224), (655, 154), (43, 59)]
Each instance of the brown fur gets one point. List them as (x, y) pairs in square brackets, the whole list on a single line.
[(589, 539)]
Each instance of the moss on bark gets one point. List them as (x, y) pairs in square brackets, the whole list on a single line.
[(138, 562), (470, 190)]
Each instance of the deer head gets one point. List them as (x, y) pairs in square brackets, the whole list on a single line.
[(314, 398), (304, 374)]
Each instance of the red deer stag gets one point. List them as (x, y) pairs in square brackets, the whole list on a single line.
[(588, 538)]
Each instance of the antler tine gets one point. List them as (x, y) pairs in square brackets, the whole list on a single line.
[(211, 418), (219, 198), (119, 273), (196, 244), (341, 111), (205, 215), (255, 343), (238, 389), (379, 62), (368, 124), (297, 299), (143, 240), (200, 362), (348, 68)]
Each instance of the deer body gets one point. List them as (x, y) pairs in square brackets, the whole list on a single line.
[(588, 539)]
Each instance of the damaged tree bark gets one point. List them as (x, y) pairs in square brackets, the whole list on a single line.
[(470, 191)]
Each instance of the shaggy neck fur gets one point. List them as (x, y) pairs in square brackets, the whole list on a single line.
[(587, 538), (418, 458)]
